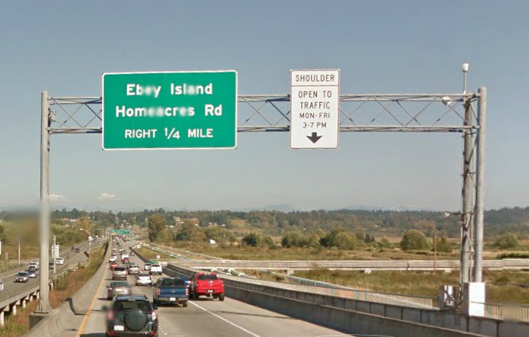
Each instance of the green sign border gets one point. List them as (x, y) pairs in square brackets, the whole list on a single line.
[(168, 72)]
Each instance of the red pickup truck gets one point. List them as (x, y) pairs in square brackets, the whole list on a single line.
[(206, 284)]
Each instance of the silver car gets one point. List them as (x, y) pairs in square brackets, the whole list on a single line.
[(22, 277), (120, 272)]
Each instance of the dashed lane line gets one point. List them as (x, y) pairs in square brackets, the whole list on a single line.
[(225, 320)]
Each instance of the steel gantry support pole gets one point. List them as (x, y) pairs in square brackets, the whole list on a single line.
[(480, 182), (466, 207), (44, 221)]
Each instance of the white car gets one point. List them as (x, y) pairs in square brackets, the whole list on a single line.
[(33, 265), (59, 260), (156, 269), (113, 259), (143, 279)]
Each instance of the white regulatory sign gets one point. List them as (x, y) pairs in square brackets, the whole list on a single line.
[(315, 108)]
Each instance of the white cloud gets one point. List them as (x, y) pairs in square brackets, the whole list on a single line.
[(106, 196), (59, 198)]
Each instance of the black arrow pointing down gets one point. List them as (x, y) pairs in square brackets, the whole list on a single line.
[(314, 137)]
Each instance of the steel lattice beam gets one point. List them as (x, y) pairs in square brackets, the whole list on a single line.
[(270, 113)]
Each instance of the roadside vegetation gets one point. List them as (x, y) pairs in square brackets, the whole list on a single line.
[(24, 229), (151, 254), (502, 286), (67, 286)]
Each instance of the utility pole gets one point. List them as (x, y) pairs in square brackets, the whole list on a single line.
[(54, 254), (480, 182), (466, 193), (44, 219), (19, 251), (435, 252)]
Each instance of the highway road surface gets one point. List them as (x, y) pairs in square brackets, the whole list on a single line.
[(201, 318), (11, 287)]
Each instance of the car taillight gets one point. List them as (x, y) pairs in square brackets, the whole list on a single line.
[(109, 288), (153, 315), (158, 292), (110, 315), (187, 292)]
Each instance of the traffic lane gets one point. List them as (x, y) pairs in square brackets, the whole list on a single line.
[(11, 287), (95, 324), (261, 322), (9, 273), (204, 316), (191, 321)]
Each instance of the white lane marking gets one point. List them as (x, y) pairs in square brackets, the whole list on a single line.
[(355, 335), (225, 320)]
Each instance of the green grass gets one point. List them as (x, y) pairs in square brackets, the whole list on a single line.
[(151, 254)]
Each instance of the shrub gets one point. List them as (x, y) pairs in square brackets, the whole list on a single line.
[(258, 240), (341, 239), (506, 241), (443, 245), (414, 240)]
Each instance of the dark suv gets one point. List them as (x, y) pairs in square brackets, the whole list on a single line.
[(131, 315)]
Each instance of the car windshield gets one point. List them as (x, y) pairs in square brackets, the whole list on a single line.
[(130, 305), (119, 269), (118, 284), (22, 274), (155, 265), (144, 275), (171, 282), (208, 277)]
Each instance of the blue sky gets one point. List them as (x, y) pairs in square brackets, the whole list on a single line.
[(380, 46)]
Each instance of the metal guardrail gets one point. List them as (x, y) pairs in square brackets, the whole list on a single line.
[(506, 311), (403, 265), (171, 252)]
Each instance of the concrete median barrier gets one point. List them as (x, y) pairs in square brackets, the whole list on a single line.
[(56, 321), (347, 321)]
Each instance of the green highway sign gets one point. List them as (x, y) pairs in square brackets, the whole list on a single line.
[(121, 231), (170, 110)]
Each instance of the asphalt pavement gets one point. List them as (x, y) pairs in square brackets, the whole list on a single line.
[(201, 318), (11, 287)]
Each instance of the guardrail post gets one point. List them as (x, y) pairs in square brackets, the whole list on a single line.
[(2, 318), (14, 309), (23, 303)]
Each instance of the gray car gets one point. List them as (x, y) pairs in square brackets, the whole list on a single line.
[(117, 288)]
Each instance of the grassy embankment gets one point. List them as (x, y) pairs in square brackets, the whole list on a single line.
[(151, 254), (18, 325), (502, 286)]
